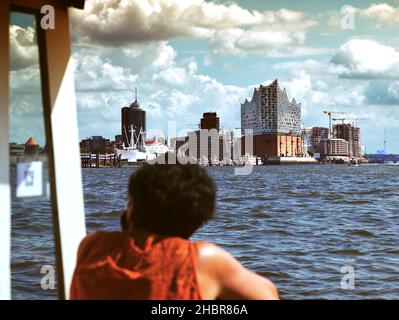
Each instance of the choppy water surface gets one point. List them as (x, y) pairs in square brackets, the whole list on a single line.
[(297, 225)]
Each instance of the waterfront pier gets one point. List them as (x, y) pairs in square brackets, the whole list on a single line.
[(97, 160)]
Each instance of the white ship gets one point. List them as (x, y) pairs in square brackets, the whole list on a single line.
[(391, 163), (156, 147), (138, 150)]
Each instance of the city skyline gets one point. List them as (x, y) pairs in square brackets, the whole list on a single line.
[(215, 60)]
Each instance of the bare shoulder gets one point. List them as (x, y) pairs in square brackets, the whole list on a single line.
[(209, 253), (234, 280), (220, 262), (207, 249)]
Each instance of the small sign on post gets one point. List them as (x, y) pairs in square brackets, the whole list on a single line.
[(29, 179)]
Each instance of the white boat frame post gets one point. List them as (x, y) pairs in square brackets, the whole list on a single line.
[(5, 190)]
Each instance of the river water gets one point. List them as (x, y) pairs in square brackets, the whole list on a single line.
[(310, 229)]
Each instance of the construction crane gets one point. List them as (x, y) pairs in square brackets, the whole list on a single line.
[(330, 113), (354, 119)]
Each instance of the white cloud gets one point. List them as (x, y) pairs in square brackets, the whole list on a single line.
[(366, 59), (319, 91), (268, 42), (23, 47), (26, 117), (94, 74), (183, 94), (393, 90), (169, 91), (117, 22), (174, 103), (171, 77), (383, 13), (25, 80), (25, 107), (383, 92), (230, 28)]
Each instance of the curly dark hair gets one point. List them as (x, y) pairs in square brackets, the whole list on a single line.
[(172, 199)]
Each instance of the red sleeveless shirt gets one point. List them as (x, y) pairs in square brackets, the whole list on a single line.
[(113, 267)]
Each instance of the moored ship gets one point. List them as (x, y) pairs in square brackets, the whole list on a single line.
[(140, 150)]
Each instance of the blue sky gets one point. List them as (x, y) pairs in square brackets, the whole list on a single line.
[(188, 57)]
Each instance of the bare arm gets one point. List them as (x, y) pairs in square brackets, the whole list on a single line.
[(221, 276)]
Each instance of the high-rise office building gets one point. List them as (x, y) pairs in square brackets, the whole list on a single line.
[(209, 121), (318, 135), (133, 123), (350, 134)]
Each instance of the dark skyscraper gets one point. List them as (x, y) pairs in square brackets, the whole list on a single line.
[(133, 118), (210, 121)]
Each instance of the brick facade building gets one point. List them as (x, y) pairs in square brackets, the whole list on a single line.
[(350, 134), (334, 148), (95, 144), (318, 134)]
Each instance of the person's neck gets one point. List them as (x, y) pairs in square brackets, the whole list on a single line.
[(142, 237)]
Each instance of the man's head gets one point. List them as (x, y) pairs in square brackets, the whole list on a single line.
[(171, 199)]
